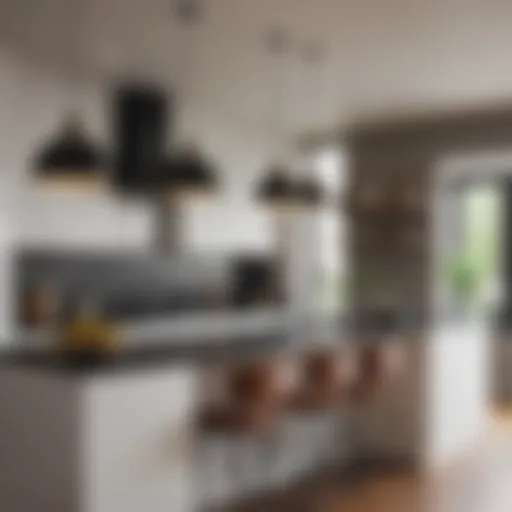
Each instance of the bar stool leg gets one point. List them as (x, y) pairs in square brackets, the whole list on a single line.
[(256, 464), (249, 466), (327, 446), (274, 447), (237, 467), (263, 454), (341, 436), (282, 453), (210, 462), (356, 459), (315, 442)]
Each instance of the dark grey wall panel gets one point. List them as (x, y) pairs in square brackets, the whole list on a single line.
[(127, 285)]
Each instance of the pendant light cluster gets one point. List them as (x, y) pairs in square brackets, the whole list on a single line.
[(71, 157), (279, 189)]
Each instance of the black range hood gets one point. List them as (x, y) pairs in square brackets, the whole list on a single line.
[(142, 114)]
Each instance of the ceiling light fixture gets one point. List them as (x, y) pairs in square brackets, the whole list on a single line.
[(188, 172), (307, 190), (70, 158), (276, 189)]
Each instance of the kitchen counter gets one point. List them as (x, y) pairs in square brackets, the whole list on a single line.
[(153, 356), (108, 434), (116, 434)]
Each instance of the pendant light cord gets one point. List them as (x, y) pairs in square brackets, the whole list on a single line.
[(188, 15), (278, 46), (77, 53), (312, 56), (73, 35)]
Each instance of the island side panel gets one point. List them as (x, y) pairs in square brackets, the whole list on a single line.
[(38, 441), (137, 441)]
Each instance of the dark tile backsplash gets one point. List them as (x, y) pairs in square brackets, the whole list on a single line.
[(124, 286)]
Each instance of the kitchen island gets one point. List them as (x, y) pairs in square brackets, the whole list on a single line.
[(110, 434), (116, 434)]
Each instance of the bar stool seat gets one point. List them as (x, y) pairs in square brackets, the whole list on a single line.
[(316, 399), (256, 391), (261, 381), (328, 378)]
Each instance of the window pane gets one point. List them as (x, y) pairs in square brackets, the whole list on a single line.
[(332, 173)]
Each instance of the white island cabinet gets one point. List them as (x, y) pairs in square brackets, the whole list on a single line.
[(96, 442)]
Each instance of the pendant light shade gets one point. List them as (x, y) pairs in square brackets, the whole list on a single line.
[(308, 193), (70, 157), (275, 188), (188, 10), (188, 173)]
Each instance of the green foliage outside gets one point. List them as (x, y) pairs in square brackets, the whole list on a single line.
[(473, 272), (466, 276)]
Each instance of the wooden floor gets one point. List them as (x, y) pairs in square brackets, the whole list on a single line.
[(480, 483)]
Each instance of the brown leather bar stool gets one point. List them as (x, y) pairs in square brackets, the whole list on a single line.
[(378, 364), (254, 396), (261, 382), (327, 377)]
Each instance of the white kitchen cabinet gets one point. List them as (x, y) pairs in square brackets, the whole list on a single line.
[(111, 442)]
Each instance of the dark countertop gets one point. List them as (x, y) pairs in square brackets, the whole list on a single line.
[(206, 350), (137, 358)]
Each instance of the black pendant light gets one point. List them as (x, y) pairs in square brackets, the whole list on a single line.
[(187, 171), (70, 157), (276, 188), (308, 192)]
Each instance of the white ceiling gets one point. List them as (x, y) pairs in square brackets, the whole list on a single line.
[(383, 56)]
